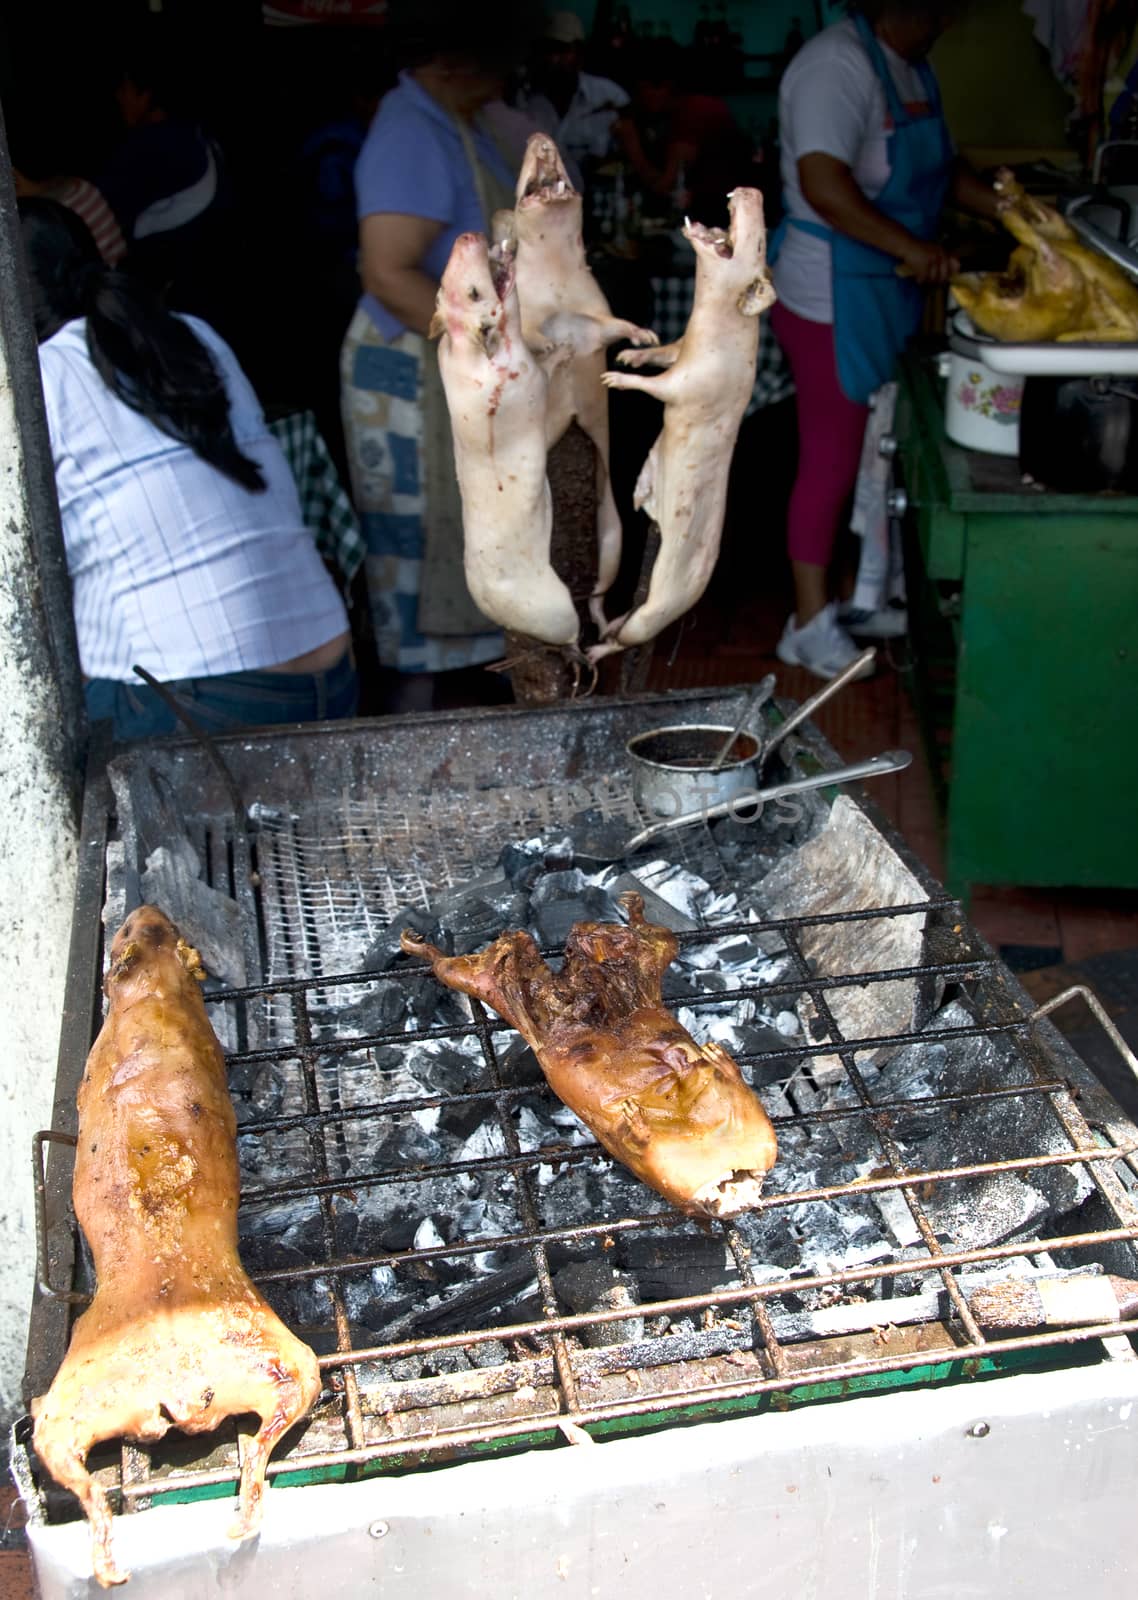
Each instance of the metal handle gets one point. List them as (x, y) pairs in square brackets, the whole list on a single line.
[(808, 707), (759, 695), (39, 1181), (875, 767), (1081, 992)]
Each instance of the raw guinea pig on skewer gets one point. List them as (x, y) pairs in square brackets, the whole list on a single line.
[(565, 311), (705, 388), (497, 396)]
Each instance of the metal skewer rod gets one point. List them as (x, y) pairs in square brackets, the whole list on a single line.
[(758, 696), (808, 707)]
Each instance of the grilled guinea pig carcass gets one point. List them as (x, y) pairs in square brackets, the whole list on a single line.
[(176, 1336), (677, 1113)]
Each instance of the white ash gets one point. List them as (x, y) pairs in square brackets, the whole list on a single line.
[(427, 1236), (786, 1242)]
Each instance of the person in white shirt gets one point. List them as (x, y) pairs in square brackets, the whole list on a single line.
[(576, 109), (185, 542), (867, 164)]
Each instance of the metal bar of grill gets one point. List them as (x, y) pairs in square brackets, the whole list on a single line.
[(533, 1373), (558, 1331)]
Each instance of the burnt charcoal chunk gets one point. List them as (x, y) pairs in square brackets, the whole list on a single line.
[(461, 1117), (599, 1286), (448, 1071), (739, 952), (405, 1146), (523, 864), (264, 1098), (385, 951), (473, 923), (398, 1232), (553, 920), (519, 1066), (667, 1265), (558, 886)]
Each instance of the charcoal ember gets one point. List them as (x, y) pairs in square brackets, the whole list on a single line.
[(473, 923), (518, 1065), (492, 1353), (473, 1306), (668, 1265), (309, 1303), (382, 1010), (264, 1098), (385, 951), (444, 1070), (461, 1117), (557, 853), (739, 952), (524, 863), (445, 1363), (404, 1146), (397, 1232), (554, 918), (534, 1128), (489, 886), (265, 1253), (656, 909), (1002, 1206), (469, 1218), (257, 1157), (347, 1228), (568, 884), (431, 1006), (586, 1286)]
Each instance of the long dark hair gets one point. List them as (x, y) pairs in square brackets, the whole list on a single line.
[(149, 358)]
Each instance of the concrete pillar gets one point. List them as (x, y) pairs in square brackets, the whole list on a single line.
[(41, 733)]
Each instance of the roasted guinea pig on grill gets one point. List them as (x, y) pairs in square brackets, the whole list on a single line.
[(176, 1336), (677, 1113)]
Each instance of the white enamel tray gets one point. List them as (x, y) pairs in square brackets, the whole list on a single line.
[(1054, 360)]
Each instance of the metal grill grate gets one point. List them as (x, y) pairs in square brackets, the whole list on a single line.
[(329, 875), (550, 1380)]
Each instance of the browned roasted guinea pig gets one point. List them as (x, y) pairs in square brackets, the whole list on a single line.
[(677, 1113), (176, 1336)]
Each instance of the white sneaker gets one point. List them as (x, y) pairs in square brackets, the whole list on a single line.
[(887, 622), (821, 646)]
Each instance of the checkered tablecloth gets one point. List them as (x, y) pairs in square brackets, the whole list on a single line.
[(673, 302), (327, 510)]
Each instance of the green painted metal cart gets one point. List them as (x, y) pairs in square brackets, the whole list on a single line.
[(1024, 611)]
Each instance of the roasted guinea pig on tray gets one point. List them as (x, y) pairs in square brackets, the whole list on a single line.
[(176, 1336), (677, 1113)]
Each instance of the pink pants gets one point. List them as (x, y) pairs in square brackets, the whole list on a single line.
[(830, 431)]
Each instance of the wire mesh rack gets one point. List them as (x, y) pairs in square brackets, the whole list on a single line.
[(499, 1359), (551, 1379)]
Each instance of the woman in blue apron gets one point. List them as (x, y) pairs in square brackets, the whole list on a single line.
[(867, 164)]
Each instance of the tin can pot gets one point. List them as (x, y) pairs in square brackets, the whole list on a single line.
[(671, 768)]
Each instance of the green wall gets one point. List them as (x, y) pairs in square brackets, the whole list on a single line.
[(997, 83)]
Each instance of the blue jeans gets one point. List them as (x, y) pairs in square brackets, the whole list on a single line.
[(230, 701)]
